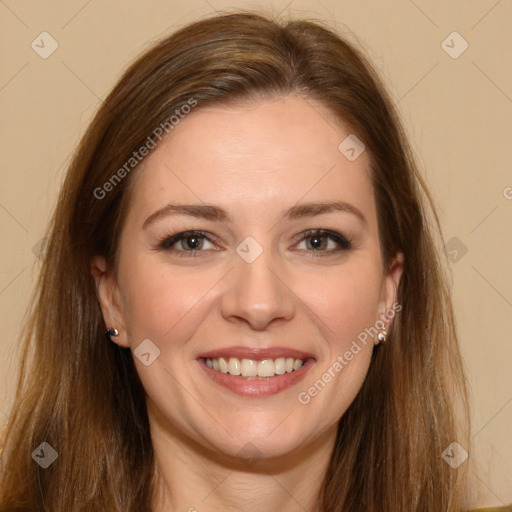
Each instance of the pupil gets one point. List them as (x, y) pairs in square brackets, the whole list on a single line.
[(316, 242), (193, 241)]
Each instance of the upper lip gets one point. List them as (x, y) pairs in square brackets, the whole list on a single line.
[(255, 353)]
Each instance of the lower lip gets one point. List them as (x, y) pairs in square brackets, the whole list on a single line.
[(257, 387)]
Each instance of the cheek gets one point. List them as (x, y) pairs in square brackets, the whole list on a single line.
[(345, 299), (158, 298)]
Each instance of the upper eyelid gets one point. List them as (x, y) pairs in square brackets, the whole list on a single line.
[(182, 235)]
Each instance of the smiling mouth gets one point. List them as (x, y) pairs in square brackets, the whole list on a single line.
[(254, 369)]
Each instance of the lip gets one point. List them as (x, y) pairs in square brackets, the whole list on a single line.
[(257, 388), (258, 354)]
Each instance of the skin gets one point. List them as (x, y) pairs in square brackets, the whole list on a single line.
[(256, 161)]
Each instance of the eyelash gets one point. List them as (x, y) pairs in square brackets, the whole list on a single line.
[(344, 244)]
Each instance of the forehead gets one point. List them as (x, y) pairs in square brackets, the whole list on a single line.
[(259, 155)]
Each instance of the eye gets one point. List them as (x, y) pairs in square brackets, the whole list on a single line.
[(318, 242), (322, 242), (188, 243)]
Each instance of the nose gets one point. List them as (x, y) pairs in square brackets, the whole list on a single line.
[(257, 293)]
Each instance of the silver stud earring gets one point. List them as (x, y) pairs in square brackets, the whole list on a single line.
[(112, 331), (382, 336)]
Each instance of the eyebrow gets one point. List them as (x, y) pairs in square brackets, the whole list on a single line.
[(216, 213)]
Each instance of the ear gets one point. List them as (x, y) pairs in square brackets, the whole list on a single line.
[(108, 295), (388, 307)]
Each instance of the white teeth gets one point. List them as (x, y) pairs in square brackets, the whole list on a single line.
[(253, 368), (223, 365), (297, 364), (234, 366), (266, 368), (280, 364), (249, 368)]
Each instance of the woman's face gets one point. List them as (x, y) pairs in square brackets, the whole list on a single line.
[(258, 285)]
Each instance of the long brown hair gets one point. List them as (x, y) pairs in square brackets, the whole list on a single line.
[(81, 393)]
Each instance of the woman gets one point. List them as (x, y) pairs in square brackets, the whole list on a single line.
[(242, 304)]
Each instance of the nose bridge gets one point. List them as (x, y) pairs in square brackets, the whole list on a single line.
[(256, 292)]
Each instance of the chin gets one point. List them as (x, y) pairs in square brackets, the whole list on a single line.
[(253, 441), (256, 453)]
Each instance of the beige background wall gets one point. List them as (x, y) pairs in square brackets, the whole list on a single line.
[(458, 112)]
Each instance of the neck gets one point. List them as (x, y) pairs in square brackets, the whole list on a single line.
[(192, 478)]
